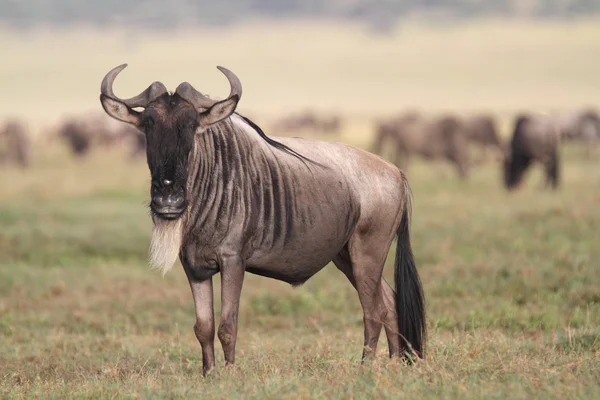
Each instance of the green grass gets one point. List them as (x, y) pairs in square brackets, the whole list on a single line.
[(511, 280), (511, 284)]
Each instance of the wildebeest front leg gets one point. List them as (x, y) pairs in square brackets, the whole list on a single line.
[(232, 278), (205, 321)]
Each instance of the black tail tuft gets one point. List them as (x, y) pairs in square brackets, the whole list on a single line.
[(410, 300)]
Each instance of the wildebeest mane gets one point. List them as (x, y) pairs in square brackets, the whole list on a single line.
[(278, 145)]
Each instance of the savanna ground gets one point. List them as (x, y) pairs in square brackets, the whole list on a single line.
[(511, 280)]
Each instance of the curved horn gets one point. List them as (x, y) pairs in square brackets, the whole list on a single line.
[(189, 93), (234, 82), (153, 91)]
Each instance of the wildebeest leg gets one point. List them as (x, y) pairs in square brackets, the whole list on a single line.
[(367, 256), (462, 168), (552, 171), (390, 321), (232, 278), (205, 321)]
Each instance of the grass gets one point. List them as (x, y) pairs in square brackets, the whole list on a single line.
[(510, 279), (512, 300)]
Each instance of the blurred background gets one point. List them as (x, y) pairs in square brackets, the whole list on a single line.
[(507, 274)]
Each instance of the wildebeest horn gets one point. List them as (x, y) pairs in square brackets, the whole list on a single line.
[(153, 91), (187, 91)]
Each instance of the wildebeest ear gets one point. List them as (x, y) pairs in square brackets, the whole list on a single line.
[(119, 110), (219, 111)]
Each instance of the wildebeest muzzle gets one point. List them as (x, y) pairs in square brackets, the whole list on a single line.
[(167, 201)]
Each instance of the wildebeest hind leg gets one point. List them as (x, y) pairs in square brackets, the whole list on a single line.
[(367, 255), (552, 171), (390, 321)]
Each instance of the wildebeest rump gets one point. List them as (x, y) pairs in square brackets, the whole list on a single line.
[(227, 199), (535, 139), (15, 144), (440, 138)]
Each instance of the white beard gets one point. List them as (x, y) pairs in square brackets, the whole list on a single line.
[(165, 245)]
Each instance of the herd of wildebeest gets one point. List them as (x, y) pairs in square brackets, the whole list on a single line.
[(536, 138), (461, 141)]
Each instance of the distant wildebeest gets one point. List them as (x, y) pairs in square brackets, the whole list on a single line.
[(228, 199), (308, 121), (76, 135), (535, 138), (439, 138), (84, 132), (482, 132), (15, 144), (582, 127)]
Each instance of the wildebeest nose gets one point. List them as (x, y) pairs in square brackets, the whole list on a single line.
[(158, 200), (174, 201)]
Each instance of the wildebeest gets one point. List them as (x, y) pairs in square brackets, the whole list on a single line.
[(84, 132), (439, 138), (535, 138), (482, 132), (308, 121), (228, 199), (76, 135), (582, 127), (15, 144)]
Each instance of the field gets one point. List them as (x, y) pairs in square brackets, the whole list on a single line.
[(511, 280)]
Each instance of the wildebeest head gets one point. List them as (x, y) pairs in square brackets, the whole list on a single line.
[(169, 121)]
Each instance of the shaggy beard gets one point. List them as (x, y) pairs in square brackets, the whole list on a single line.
[(165, 244)]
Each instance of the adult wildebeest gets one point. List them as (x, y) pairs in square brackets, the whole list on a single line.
[(535, 138), (15, 146), (481, 131), (440, 138), (582, 127), (228, 199), (76, 135), (84, 132)]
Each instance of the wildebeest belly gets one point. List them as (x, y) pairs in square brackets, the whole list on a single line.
[(298, 255), (298, 264)]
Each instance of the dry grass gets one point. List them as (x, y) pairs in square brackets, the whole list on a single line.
[(511, 280)]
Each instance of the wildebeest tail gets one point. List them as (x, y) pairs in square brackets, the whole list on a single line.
[(410, 300)]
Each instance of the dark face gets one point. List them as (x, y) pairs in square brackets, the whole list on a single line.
[(169, 123)]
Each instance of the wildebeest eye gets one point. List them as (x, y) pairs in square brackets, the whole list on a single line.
[(188, 125)]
